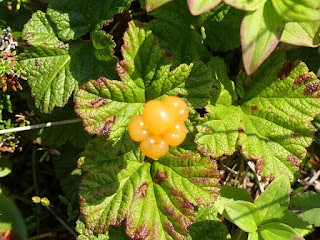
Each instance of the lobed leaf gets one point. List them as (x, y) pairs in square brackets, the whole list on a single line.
[(53, 75), (173, 24), (207, 230), (307, 207), (271, 125), (74, 18), (223, 91), (38, 31), (108, 105), (156, 198)]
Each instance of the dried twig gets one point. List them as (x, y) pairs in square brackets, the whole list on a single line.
[(48, 124), (256, 176)]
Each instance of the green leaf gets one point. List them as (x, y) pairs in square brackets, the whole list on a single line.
[(224, 90), (274, 114), (198, 7), (206, 213), (244, 214), (75, 18), (104, 45), (260, 34), (56, 136), (11, 217), (298, 10), (108, 105), (53, 74), (279, 231), (254, 236), (296, 223), (5, 166), (49, 76), (222, 28), (307, 207), (301, 33), (173, 30), (38, 31), (246, 5), (65, 168), (156, 198), (308, 55), (230, 194), (274, 201), (208, 230), (153, 4), (87, 234)]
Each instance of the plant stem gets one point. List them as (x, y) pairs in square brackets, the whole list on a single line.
[(114, 28), (48, 124), (61, 221)]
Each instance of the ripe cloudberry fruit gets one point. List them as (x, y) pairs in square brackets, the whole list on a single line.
[(160, 126)]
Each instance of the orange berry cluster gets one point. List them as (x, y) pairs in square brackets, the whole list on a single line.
[(160, 126)]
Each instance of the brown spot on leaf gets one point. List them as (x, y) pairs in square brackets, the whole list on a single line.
[(271, 178), (301, 155), (302, 78), (186, 206), (240, 130), (101, 81), (169, 54), (170, 229), (37, 64), (295, 161), (270, 107), (311, 88), (160, 176), (121, 167), (286, 69), (181, 95), (169, 210), (98, 102), (295, 134), (177, 193), (207, 130), (142, 232), (255, 107), (259, 165), (108, 122), (142, 190)]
